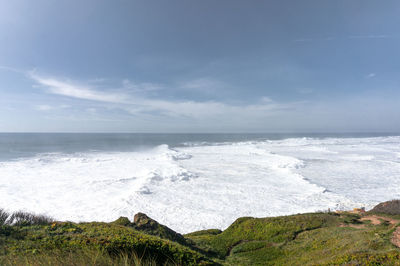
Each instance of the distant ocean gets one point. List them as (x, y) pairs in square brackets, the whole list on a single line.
[(195, 181)]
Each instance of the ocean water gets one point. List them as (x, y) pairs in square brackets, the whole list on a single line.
[(195, 181)]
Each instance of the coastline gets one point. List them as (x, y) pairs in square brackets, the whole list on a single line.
[(277, 177), (301, 239)]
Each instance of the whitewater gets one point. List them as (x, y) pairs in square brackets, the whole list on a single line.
[(202, 185)]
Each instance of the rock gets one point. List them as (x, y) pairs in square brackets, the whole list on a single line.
[(141, 219), (144, 223), (388, 207)]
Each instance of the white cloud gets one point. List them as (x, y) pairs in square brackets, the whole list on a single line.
[(78, 91), (370, 75), (137, 105), (91, 110), (266, 100), (10, 69), (140, 87), (202, 83), (371, 36), (44, 107), (97, 80), (205, 85)]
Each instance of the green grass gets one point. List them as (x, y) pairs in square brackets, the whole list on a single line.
[(327, 244), (85, 256), (303, 239), (112, 239), (273, 230)]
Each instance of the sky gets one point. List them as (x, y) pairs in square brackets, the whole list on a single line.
[(199, 66)]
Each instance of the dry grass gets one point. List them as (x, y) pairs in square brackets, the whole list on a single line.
[(85, 256)]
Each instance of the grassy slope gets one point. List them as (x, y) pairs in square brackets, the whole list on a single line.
[(303, 239), (104, 239)]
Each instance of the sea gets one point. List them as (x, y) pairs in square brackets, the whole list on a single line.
[(192, 182)]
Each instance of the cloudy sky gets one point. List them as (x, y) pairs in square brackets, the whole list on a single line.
[(199, 66)]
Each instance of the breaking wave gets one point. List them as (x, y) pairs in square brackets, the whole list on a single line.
[(207, 185)]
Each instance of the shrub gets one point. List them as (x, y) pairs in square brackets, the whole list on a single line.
[(22, 218), (204, 232), (351, 218), (3, 217)]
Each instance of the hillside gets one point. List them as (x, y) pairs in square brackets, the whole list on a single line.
[(354, 238)]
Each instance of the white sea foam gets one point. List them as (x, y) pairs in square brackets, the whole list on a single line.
[(206, 186)]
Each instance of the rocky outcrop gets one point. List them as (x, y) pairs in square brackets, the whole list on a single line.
[(144, 223), (388, 207)]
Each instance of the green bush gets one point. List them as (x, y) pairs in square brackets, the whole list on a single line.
[(3, 217), (21, 218)]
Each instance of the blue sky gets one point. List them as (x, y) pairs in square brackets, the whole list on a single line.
[(199, 66)]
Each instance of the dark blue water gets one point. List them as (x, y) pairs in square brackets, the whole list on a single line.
[(17, 145)]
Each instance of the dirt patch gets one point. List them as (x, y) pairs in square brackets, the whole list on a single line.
[(396, 237), (377, 220)]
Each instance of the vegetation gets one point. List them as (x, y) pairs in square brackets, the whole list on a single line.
[(389, 207), (149, 226), (3, 217), (23, 218), (63, 243), (305, 239), (79, 257)]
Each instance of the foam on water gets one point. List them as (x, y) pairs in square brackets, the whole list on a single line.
[(208, 185)]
